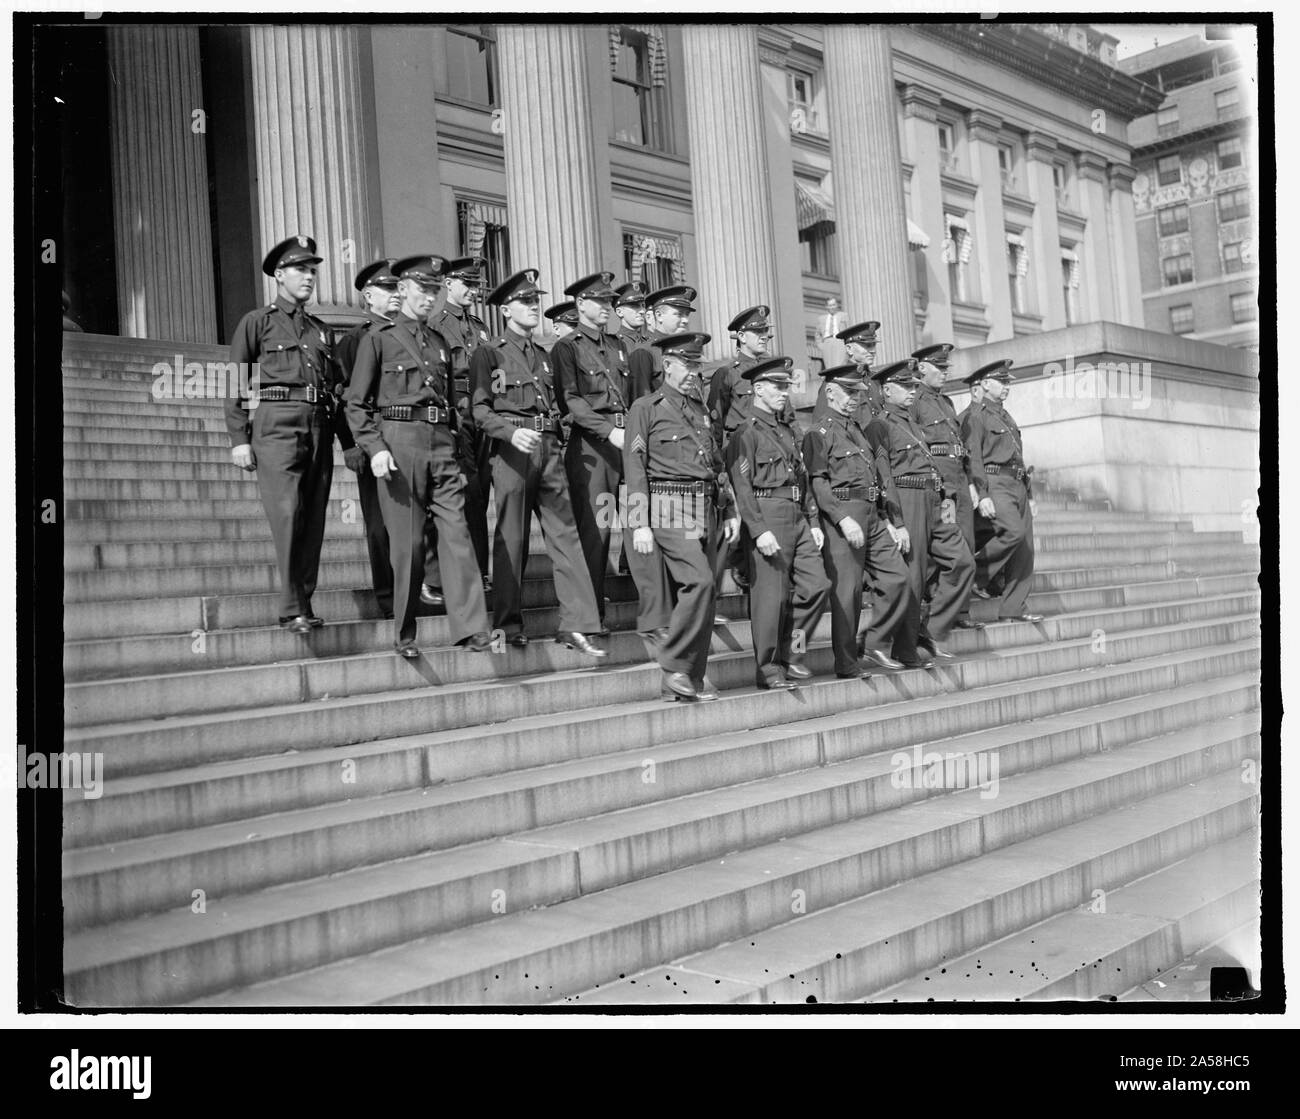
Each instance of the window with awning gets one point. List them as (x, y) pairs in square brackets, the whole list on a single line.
[(813, 204), (959, 244), (653, 259)]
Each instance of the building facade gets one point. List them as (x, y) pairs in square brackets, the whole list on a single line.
[(963, 182), (1195, 192)]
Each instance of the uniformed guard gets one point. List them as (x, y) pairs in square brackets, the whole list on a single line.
[(629, 306), (399, 406), (860, 342), (1004, 490), (789, 590), (669, 309), (289, 438), (852, 484), (378, 287), (596, 388), (465, 332), (937, 418), (677, 491), (515, 405), (564, 319), (730, 395)]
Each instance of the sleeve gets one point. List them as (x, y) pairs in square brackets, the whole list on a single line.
[(564, 356), (641, 364), (819, 476), (720, 397), (360, 396), (244, 353), (878, 437), (636, 475), (807, 499), (482, 368), (740, 466), (973, 435)]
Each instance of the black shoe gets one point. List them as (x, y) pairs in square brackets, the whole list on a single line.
[(314, 621), (740, 578), (518, 640), (705, 691), (1022, 618), (777, 684), (677, 685), (658, 636), (603, 631), (967, 623), (408, 649), (921, 661), (479, 642), (880, 658), (798, 672), (936, 651), (300, 624), (980, 592), (432, 596), (720, 620), (579, 641), (862, 672), (386, 612)]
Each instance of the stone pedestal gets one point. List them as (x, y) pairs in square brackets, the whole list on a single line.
[(870, 219), (307, 128), (160, 185)]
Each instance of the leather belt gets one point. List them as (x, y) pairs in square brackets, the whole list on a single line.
[(543, 424), (918, 481), (794, 493), (685, 488), (856, 493), (308, 394), (460, 385), (1017, 472), (951, 450), (409, 413)]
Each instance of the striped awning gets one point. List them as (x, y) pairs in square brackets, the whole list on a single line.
[(813, 204), (916, 236), (480, 215)]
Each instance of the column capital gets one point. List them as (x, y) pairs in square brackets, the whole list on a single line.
[(920, 101), (774, 45), (983, 126), (1091, 166), (1121, 176), (1040, 146)]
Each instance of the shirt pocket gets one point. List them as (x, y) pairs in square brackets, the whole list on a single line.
[(520, 391), (401, 377), (770, 470), (279, 359)]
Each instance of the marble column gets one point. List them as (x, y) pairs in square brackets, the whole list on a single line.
[(920, 109), (551, 182), (1045, 264), (1123, 231), (731, 197), (307, 128), (1098, 273), (165, 266), (869, 215), (990, 229)]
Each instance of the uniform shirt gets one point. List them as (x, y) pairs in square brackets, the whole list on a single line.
[(896, 433), (647, 364), (994, 440), (669, 439), (934, 414), (404, 363), (511, 376), (345, 353), (290, 347), (632, 339), (465, 333), (837, 453), (592, 379), (763, 454)]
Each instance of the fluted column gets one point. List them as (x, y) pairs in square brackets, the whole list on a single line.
[(990, 229), (551, 184), (1045, 265), (1098, 265), (869, 214), (1123, 231), (307, 127), (920, 117), (165, 268), (731, 196)]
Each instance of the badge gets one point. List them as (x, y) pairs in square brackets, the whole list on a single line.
[(302, 240)]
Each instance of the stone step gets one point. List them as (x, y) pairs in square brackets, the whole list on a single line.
[(742, 788), (162, 743), (158, 419), (146, 454), (109, 410), (838, 952), (331, 672), (148, 445), (543, 954), (1110, 944)]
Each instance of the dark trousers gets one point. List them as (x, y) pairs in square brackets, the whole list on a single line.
[(293, 443), (524, 484), (887, 571), (920, 511), (594, 468), (427, 478), (381, 564), (685, 547), (845, 568), (789, 592), (1008, 548), (474, 458), (950, 577)]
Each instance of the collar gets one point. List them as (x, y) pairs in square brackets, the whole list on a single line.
[(593, 333), (454, 310), (288, 306), (378, 319), (521, 342), (898, 410), (413, 325), (769, 418)]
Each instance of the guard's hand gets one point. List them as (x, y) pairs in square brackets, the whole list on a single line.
[(902, 541), (852, 532), (354, 458), (643, 540), (948, 511), (243, 457), (383, 465), (819, 537), (1033, 507), (986, 508), (731, 530), (616, 437), (526, 439), (974, 495), (767, 544)]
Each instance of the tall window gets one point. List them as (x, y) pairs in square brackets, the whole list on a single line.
[(1177, 269), (1017, 269), (1182, 319), (483, 232), (1007, 166), (652, 260), (1070, 284), (470, 70), (947, 146), (1234, 204), (1232, 258), (1172, 219), (801, 92), (1169, 170), (1230, 153), (1167, 121), (957, 249), (639, 65), (818, 251), (1225, 103), (1243, 307)]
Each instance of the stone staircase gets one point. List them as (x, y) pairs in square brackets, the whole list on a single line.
[(314, 821)]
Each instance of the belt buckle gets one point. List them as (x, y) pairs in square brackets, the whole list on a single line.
[(698, 489), (618, 419), (312, 395), (538, 423), (795, 491)]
